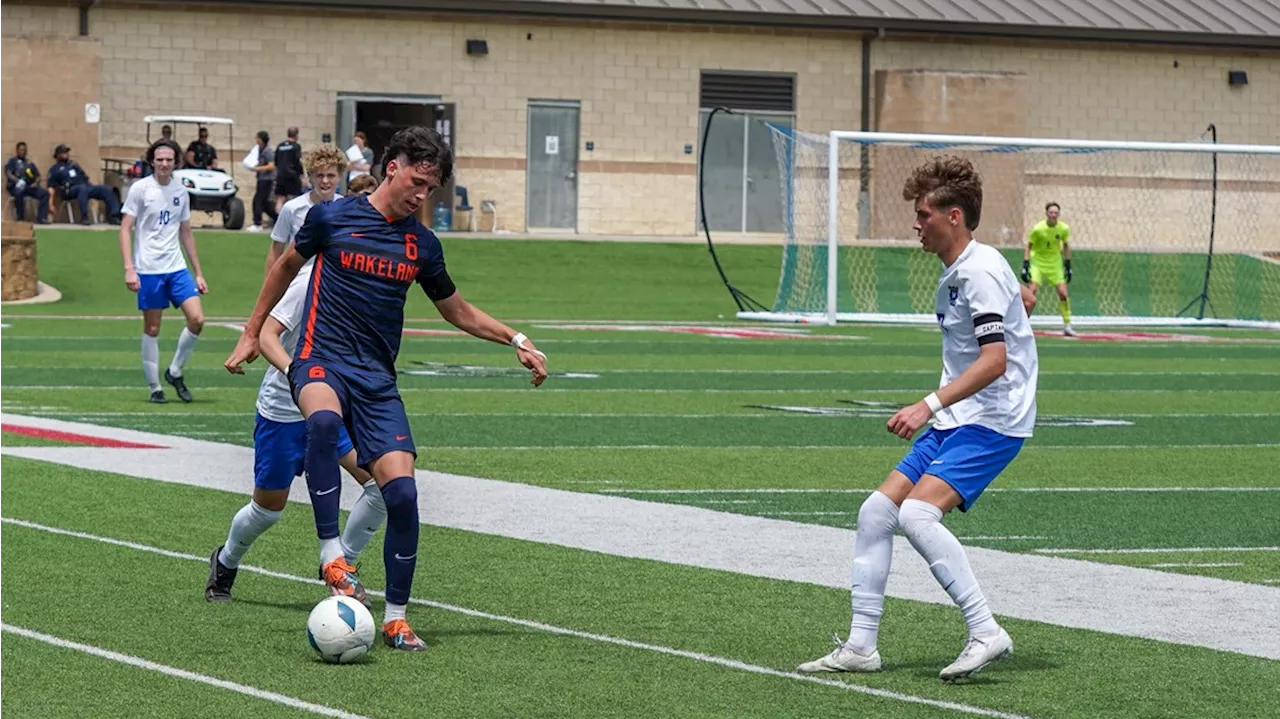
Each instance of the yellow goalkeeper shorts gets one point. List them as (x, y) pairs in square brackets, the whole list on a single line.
[(1047, 274)]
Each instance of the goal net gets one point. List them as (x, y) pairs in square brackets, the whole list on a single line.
[(1161, 233)]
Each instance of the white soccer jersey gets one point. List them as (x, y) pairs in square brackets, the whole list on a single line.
[(979, 301), (290, 221), (159, 210), (274, 400)]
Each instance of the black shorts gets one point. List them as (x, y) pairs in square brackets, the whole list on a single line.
[(288, 186)]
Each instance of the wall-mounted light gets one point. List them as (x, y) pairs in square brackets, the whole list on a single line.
[(477, 47), (1237, 77)]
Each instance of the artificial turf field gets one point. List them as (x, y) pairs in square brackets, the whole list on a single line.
[(1156, 454)]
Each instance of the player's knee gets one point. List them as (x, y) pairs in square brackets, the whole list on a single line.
[(401, 497), (878, 512), (151, 330), (915, 516), (323, 427), (195, 324)]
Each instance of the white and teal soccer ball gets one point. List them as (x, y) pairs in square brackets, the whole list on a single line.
[(341, 630)]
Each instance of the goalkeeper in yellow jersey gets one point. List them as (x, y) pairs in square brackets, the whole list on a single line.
[(1047, 259)]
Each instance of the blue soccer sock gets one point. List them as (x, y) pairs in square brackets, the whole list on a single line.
[(400, 549), (324, 475)]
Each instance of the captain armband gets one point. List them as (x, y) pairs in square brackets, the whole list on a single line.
[(988, 328)]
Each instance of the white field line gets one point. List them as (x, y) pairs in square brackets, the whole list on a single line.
[(540, 626), (1197, 564), (762, 413), (804, 490), (638, 390), (1051, 589), (995, 538), (788, 372), (807, 514), (181, 673), (1153, 550)]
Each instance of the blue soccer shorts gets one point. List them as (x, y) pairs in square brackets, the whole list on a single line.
[(371, 405), (968, 458), (279, 449), (157, 292)]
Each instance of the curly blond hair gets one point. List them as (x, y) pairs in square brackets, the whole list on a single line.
[(946, 182), (324, 156)]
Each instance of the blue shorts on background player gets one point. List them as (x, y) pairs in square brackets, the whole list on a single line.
[(368, 251)]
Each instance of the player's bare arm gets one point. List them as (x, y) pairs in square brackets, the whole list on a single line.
[(188, 239), (126, 250), (274, 252), (273, 288), (271, 347), (476, 322), (989, 367)]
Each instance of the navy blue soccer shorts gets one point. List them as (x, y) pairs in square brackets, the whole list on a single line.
[(157, 292), (968, 458), (371, 406), (279, 449)]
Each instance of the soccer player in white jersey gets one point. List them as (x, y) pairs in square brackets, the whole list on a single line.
[(324, 167), (280, 431), (160, 209), (983, 410)]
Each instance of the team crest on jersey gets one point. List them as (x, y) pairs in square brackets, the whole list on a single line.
[(176, 202), (953, 294)]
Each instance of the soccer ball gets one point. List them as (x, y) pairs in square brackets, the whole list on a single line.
[(340, 629)]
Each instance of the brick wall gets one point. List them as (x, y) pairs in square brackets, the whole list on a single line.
[(637, 85), (43, 113)]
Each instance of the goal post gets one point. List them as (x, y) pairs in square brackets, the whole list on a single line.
[(1161, 233)]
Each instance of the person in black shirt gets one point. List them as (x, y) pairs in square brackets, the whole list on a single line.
[(288, 158), (200, 154), (22, 178)]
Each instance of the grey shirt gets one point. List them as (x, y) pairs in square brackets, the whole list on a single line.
[(266, 156)]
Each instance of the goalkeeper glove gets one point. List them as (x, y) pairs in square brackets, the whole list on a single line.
[(1026, 270), (1066, 268)]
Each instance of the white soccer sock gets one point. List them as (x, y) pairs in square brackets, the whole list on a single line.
[(365, 518), (186, 344), (151, 361), (922, 523), (249, 524), (393, 612), (330, 549), (872, 555)]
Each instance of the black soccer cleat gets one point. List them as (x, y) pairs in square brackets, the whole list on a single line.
[(179, 386), (221, 578), (158, 397)]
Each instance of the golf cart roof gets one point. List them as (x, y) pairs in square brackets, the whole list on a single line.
[(189, 119)]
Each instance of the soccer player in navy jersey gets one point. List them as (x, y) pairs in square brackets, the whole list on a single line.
[(368, 250)]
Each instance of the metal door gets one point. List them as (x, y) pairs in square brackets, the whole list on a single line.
[(551, 174)]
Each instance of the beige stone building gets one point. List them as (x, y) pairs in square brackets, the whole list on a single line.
[(585, 116)]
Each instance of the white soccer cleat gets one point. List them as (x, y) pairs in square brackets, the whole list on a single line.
[(1068, 332), (978, 652), (842, 659)]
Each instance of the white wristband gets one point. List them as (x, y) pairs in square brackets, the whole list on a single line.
[(518, 343), (935, 404)]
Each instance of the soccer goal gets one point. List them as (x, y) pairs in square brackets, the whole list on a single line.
[(1161, 233)]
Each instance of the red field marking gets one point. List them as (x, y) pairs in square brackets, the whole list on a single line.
[(59, 436)]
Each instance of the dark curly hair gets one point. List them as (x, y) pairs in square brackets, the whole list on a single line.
[(946, 182), (417, 145), (151, 151)]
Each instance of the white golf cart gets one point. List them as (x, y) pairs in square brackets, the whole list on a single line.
[(211, 190)]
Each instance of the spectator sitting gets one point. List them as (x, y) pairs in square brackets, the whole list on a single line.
[(200, 154), (22, 178), (68, 178)]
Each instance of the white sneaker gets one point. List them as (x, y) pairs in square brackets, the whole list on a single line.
[(253, 228), (1068, 332), (843, 659), (978, 652)]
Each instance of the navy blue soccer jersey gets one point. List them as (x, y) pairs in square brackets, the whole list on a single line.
[(364, 266)]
